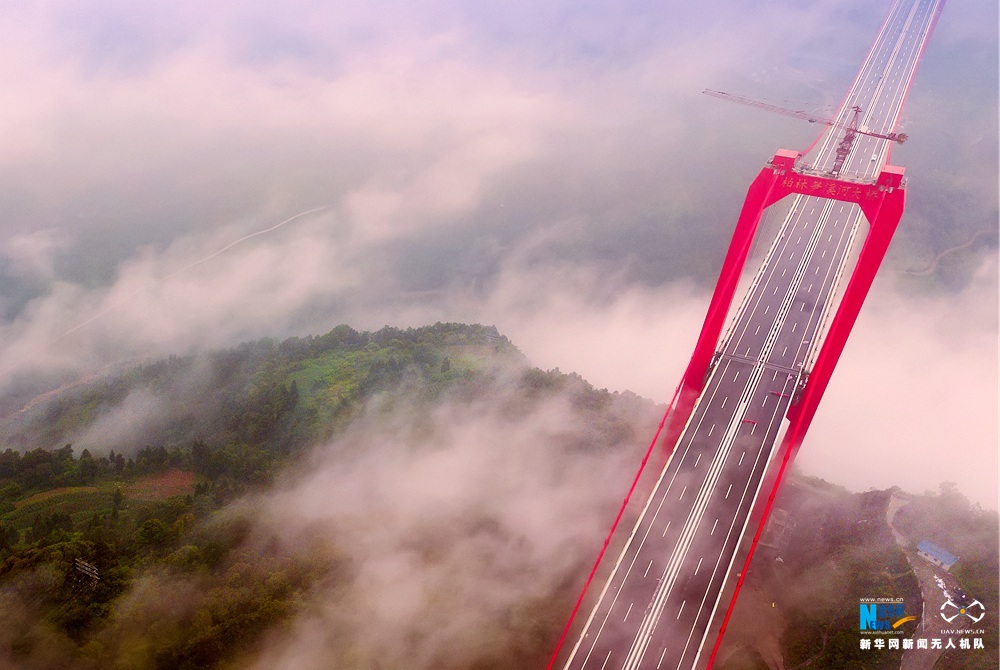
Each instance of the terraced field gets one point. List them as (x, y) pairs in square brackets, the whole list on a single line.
[(81, 503)]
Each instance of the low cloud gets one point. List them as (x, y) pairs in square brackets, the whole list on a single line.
[(913, 401), (550, 170), (169, 302), (122, 428), (31, 254), (459, 523), (917, 382)]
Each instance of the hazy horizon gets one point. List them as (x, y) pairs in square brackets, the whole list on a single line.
[(551, 170)]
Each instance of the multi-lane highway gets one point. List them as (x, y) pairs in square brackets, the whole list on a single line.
[(656, 608), (881, 86)]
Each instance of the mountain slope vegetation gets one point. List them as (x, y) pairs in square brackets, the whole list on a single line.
[(129, 506), (418, 498)]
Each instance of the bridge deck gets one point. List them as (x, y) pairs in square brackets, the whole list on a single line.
[(657, 606)]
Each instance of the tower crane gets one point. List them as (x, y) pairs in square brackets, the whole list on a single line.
[(843, 149)]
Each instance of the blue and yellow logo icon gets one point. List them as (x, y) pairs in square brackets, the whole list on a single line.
[(883, 616)]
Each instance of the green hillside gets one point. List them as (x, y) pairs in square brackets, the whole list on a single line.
[(223, 510), (96, 537)]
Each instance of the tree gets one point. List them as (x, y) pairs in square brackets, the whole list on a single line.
[(152, 534), (116, 502), (8, 538), (88, 467)]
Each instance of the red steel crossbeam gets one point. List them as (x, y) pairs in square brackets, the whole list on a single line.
[(882, 204), (774, 182)]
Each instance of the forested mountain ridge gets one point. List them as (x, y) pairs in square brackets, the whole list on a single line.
[(137, 489), (418, 498), (251, 393)]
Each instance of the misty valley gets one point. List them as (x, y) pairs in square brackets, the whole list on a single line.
[(406, 498)]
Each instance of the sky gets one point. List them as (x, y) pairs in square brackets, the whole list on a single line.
[(549, 168)]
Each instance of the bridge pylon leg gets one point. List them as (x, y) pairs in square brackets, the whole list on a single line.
[(883, 220), (760, 195), (883, 216)]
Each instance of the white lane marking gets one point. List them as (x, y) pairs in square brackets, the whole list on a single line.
[(697, 460), (628, 611), (713, 527), (665, 530), (701, 606), (698, 567), (680, 610), (710, 430), (835, 224), (683, 490), (794, 326), (728, 490), (610, 585), (765, 311), (605, 660), (648, 567), (757, 331), (743, 455), (724, 400), (662, 653), (670, 574)]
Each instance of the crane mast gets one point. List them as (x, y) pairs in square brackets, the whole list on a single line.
[(844, 148)]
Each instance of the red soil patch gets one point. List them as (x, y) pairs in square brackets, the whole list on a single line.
[(52, 493), (161, 485)]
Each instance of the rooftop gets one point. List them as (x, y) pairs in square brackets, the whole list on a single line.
[(937, 552)]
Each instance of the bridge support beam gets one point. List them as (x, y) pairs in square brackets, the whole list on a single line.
[(883, 213), (882, 203), (760, 196)]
